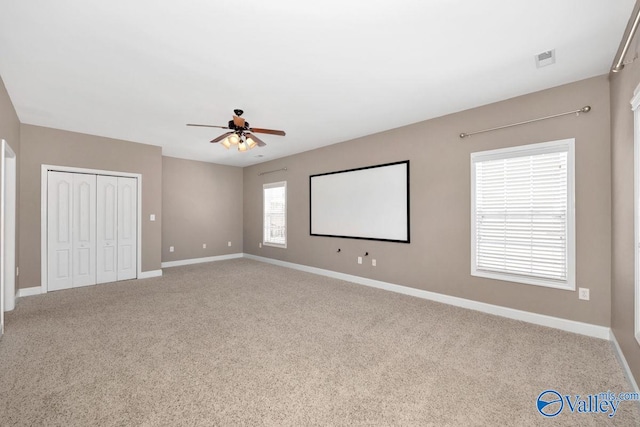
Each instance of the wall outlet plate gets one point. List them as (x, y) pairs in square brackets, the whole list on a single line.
[(260, 245), (170, 248), (373, 262), (583, 293), (359, 260), (204, 246), (229, 244)]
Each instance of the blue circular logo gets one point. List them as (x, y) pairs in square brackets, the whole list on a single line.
[(550, 403)]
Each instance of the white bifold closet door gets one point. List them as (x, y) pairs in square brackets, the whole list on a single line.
[(117, 228), (71, 230), (92, 229)]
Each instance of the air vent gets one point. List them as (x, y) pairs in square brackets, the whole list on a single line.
[(545, 58)]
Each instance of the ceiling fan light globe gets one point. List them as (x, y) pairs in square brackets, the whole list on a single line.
[(225, 143), (234, 139), (251, 143), (242, 147)]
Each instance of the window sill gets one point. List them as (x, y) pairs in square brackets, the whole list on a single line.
[(275, 245), (565, 286)]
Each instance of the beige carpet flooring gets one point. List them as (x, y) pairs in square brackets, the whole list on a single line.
[(241, 342)]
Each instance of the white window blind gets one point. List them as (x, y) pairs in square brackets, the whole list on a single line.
[(275, 214), (523, 215)]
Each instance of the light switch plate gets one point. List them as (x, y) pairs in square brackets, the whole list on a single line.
[(152, 217)]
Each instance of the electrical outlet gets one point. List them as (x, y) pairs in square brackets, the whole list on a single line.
[(373, 262), (359, 260), (152, 217), (17, 271), (170, 248), (204, 246), (260, 245), (229, 244), (583, 293)]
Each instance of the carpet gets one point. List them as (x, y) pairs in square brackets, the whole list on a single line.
[(241, 342)]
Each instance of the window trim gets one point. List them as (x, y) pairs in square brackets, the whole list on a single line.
[(635, 104), (276, 185), (567, 145)]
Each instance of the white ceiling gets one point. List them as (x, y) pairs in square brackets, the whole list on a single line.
[(325, 72)]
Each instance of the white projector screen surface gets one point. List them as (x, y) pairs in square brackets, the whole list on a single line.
[(365, 203)]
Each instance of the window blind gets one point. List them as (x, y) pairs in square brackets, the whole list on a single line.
[(521, 215), (275, 209)]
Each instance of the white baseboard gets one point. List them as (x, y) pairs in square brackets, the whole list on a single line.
[(149, 274), (200, 260), (623, 362), (596, 331), (27, 292)]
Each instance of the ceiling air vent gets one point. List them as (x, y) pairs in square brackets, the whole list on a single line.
[(545, 58)]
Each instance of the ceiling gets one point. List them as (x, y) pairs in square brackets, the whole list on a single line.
[(325, 72)]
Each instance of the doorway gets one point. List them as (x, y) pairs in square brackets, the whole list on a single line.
[(7, 231)]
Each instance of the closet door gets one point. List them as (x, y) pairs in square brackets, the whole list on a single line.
[(107, 230), (59, 230), (84, 230), (127, 228)]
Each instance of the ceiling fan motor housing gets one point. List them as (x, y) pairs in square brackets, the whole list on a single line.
[(232, 125)]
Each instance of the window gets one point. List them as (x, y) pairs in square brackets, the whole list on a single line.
[(274, 221), (523, 217)]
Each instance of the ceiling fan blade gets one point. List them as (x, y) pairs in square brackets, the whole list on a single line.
[(238, 121), (221, 137), (269, 131), (208, 126), (258, 141)]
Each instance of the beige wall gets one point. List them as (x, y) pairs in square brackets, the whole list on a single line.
[(9, 123), (10, 132), (623, 85), (438, 257), (201, 204), (41, 145)]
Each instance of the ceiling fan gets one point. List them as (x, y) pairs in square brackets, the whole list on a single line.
[(241, 134)]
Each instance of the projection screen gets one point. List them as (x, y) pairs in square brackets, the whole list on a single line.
[(366, 203)]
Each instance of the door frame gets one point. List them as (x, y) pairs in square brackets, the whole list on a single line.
[(635, 107), (7, 230), (45, 169)]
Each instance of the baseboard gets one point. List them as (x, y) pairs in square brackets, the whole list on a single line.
[(596, 331), (149, 274), (27, 292), (623, 362), (200, 260)]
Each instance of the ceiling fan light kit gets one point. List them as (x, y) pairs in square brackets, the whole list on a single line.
[(240, 134)]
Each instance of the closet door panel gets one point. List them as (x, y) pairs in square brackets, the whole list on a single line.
[(107, 229), (59, 231), (84, 230), (127, 228)]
